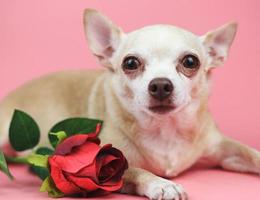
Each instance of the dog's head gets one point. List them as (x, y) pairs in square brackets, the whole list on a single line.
[(157, 69)]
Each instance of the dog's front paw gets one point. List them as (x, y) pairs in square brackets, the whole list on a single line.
[(162, 189)]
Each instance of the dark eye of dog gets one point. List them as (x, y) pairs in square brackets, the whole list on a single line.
[(190, 61), (189, 65), (131, 63)]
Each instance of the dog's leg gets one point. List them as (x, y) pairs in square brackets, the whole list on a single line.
[(141, 182), (234, 156)]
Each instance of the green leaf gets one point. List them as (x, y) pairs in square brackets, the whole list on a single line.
[(57, 138), (74, 126), (24, 132), (3, 165), (49, 186), (44, 151), (39, 165), (38, 160), (42, 172)]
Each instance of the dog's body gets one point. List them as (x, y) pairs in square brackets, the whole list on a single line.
[(154, 109)]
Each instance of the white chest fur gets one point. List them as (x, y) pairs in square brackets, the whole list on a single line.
[(166, 151)]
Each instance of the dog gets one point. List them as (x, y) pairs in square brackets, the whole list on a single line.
[(153, 97)]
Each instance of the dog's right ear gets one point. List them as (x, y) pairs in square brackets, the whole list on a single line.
[(102, 35)]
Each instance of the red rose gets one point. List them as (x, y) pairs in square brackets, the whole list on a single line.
[(80, 166)]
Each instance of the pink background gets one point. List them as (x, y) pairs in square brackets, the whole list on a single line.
[(38, 37)]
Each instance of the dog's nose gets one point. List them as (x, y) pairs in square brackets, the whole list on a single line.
[(160, 88)]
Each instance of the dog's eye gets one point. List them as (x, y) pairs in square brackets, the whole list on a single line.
[(131, 63), (190, 62), (188, 65)]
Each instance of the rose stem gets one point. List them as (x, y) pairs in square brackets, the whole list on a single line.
[(21, 160)]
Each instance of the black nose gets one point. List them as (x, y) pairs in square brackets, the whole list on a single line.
[(160, 88)]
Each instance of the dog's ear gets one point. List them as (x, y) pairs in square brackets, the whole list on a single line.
[(102, 35), (218, 42)]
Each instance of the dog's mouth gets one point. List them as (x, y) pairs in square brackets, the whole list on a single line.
[(162, 109)]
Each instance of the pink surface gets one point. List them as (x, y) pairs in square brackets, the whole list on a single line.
[(38, 37), (201, 184)]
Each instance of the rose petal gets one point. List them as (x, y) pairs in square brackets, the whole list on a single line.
[(92, 170), (90, 185), (108, 168), (65, 186), (101, 156), (78, 159), (98, 129), (89, 171), (103, 160), (117, 153), (121, 164), (84, 183), (66, 145)]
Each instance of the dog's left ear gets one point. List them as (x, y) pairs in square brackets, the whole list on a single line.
[(218, 42), (102, 35)]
